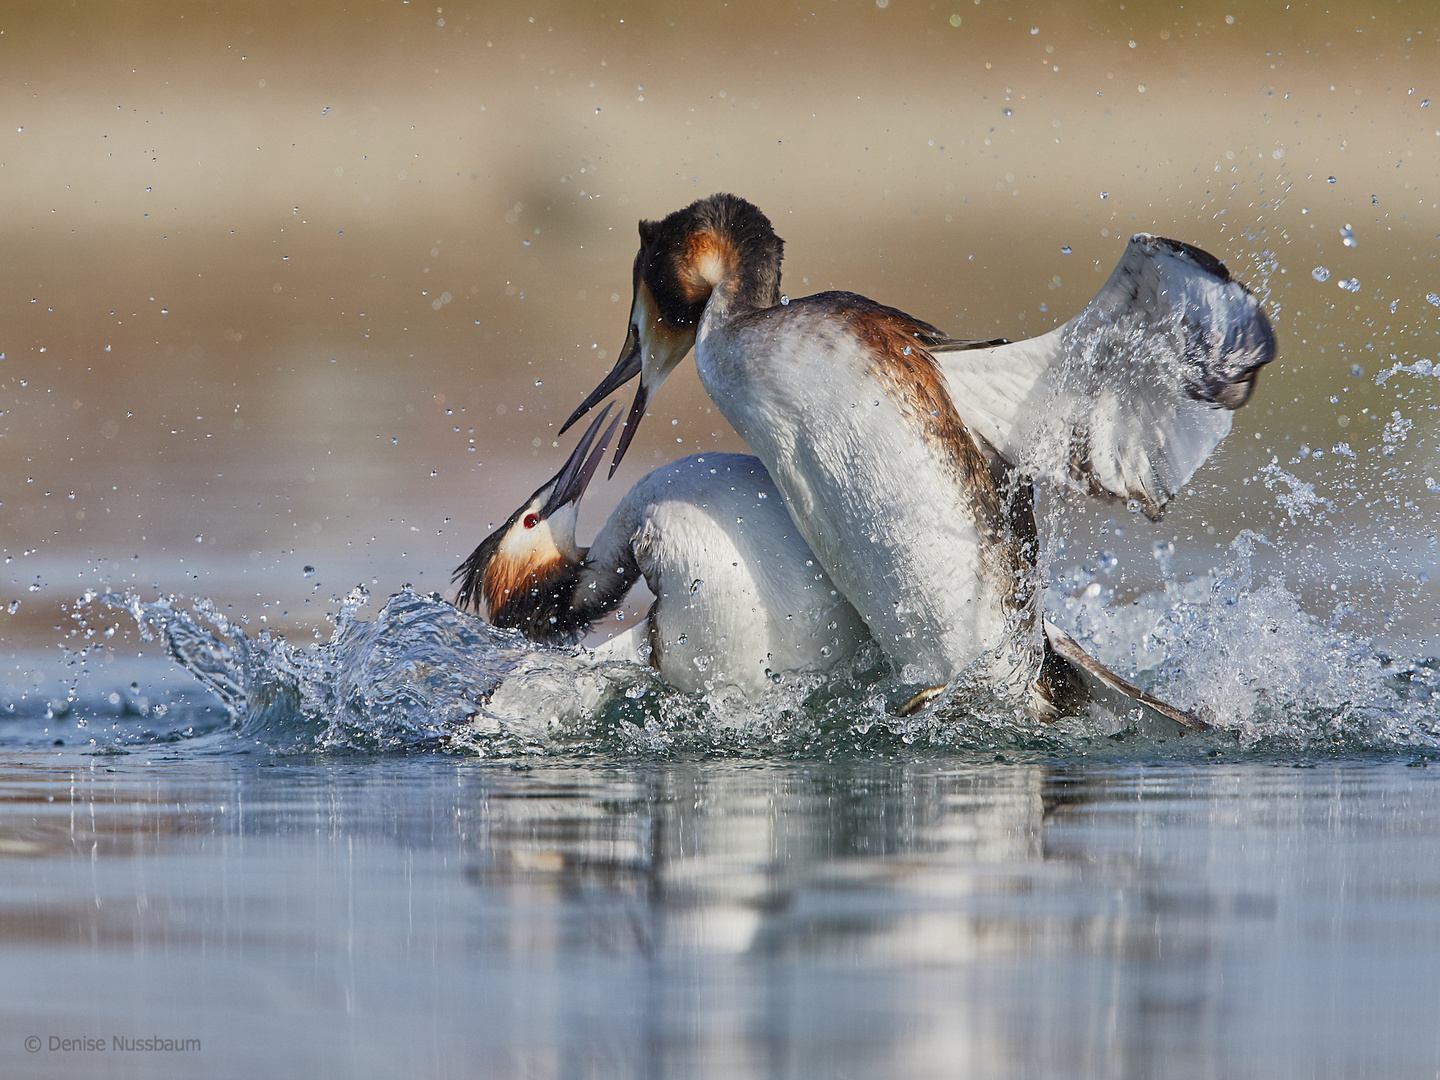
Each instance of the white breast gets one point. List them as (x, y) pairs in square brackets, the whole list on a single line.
[(875, 498)]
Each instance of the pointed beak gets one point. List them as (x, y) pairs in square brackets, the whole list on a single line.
[(630, 364), (625, 369), (659, 352), (652, 349), (579, 469)]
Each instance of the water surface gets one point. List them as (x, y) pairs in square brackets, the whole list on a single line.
[(292, 302), (426, 916)]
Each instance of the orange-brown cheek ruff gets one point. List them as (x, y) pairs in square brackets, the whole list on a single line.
[(536, 597), (708, 261), (508, 580)]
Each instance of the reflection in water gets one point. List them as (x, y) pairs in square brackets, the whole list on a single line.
[(820, 918)]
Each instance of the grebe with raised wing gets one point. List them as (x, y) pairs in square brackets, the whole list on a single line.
[(906, 457)]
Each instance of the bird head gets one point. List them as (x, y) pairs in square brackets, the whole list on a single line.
[(523, 575), (721, 243)]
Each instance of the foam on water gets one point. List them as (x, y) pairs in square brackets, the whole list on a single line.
[(423, 675), (1249, 658)]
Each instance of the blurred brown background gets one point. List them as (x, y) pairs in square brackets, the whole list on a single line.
[(291, 285)]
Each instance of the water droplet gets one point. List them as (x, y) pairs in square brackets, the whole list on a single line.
[(1433, 299), (1104, 194), (784, 300), (695, 586), (1065, 250), (906, 350), (14, 606), (680, 640), (1348, 236), (1320, 273), (1009, 112), (309, 571), (1350, 284), (1356, 370), (433, 474), (1330, 180), (199, 538)]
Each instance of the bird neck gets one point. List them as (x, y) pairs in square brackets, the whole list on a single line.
[(605, 576), (746, 279)]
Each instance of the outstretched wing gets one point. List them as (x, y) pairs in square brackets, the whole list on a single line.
[(1131, 395)]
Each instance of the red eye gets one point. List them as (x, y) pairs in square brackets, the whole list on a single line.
[(531, 520)]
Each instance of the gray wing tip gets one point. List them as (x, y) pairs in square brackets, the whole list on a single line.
[(1229, 337), (1207, 262), (1228, 345)]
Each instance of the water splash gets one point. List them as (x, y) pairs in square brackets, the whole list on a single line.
[(420, 675), (425, 676), (1301, 500), (1246, 655)]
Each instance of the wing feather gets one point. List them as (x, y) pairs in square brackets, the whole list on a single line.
[(1131, 395)]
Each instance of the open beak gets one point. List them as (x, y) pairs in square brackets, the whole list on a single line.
[(629, 365), (651, 351), (516, 548), (579, 468), (624, 370)]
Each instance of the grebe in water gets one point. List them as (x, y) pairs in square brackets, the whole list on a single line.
[(739, 598), (906, 458)]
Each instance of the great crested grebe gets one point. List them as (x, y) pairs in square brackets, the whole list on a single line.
[(906, 457), (740, 599)]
